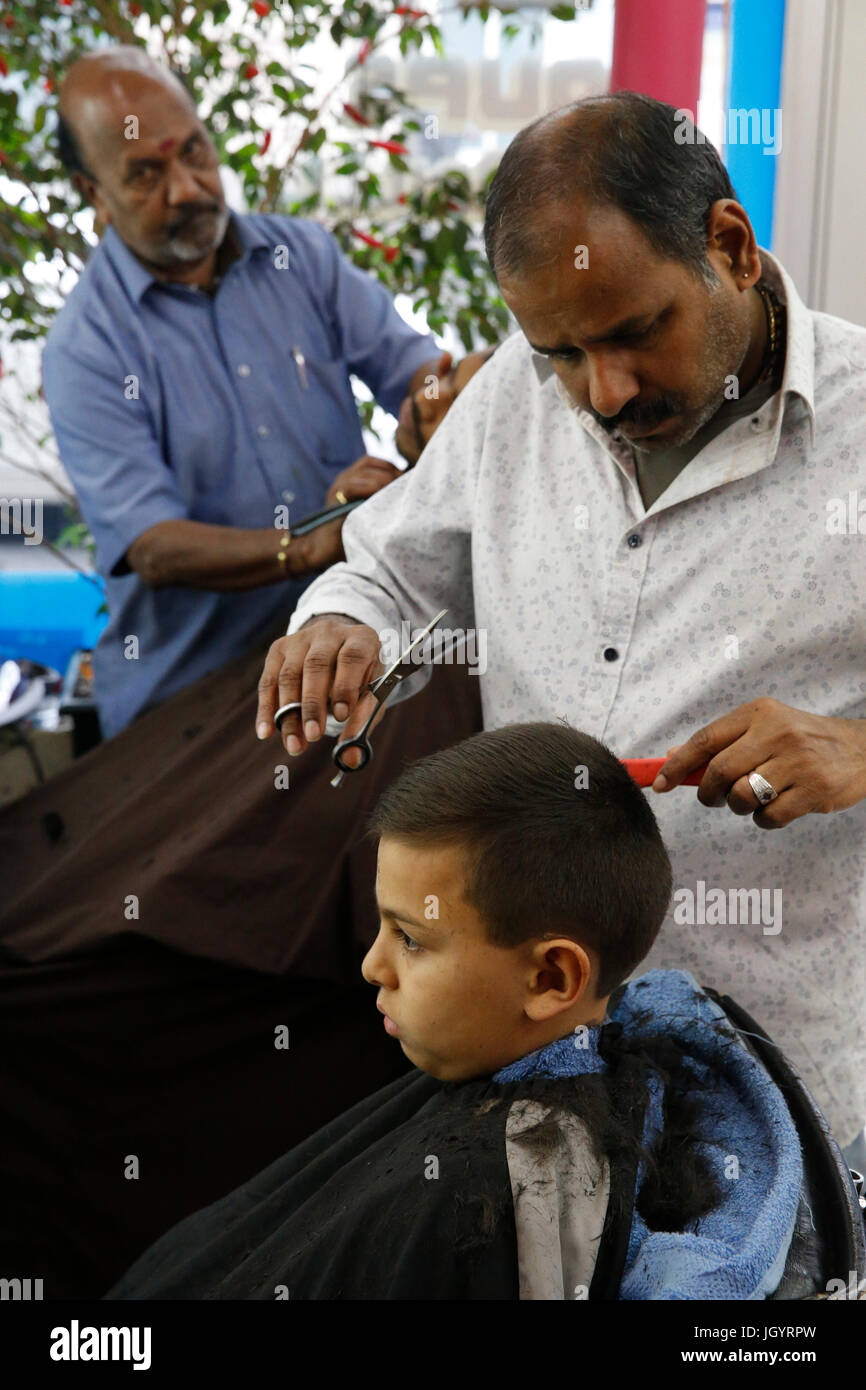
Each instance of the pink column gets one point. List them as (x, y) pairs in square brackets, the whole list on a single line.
[(657, 49)]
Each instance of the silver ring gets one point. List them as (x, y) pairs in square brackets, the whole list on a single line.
[(762, 788), (333, 727)]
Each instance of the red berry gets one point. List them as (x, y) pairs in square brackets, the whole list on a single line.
[(391, 146), (263, 148), (261, 8), (9, 21), (355, 114), (250, 71), (135, 10)]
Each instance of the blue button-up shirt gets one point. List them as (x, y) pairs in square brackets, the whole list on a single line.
[(169, 403)]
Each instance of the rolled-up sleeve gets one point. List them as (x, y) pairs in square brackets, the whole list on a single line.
[(110, 449), (409, 547), (377, 344)]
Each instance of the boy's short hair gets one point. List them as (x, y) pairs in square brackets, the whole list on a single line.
[(545, 853)]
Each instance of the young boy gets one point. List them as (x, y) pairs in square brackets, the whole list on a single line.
[(521, 879)]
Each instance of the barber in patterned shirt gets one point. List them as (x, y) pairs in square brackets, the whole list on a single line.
[(648, 500)]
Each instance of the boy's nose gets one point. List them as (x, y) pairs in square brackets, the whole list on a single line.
[(375, 968)]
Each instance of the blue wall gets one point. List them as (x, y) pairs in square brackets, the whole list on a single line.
[(755, 82)]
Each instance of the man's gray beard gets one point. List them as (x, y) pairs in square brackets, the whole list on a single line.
[(676, 441), (726, 342), (181, 250)]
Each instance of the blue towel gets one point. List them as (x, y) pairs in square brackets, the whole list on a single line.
[(738, 1250)]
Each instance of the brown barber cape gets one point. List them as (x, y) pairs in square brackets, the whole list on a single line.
[(181, 811)]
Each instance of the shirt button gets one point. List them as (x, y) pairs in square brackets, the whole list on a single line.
[(634, 541), (263, 431), (243, 369), (611, 654), (756, 423)]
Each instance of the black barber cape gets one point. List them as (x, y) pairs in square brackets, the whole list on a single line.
[(411, 1195)]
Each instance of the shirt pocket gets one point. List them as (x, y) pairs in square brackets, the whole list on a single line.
[(324, 396)]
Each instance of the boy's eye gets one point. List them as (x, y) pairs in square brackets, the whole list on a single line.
[(408, 942)]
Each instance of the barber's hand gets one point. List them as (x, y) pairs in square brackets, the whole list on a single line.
[(817, 763), (326, 662), (364, 477)]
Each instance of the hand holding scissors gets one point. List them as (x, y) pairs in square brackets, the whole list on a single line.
[(380, 689)]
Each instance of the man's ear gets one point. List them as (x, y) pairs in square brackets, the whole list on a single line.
[(89, 190), (85, 186)]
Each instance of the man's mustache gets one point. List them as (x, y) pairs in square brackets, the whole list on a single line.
[(639, 416), (190, 217)]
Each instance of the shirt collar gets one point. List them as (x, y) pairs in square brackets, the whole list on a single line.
[(136, 278), (798, 378)]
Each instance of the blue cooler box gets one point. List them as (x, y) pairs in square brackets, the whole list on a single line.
[(46, 617)]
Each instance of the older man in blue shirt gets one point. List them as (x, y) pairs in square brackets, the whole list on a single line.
[(198, 385)]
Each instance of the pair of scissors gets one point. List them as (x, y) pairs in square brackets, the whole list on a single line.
[(381, 688)]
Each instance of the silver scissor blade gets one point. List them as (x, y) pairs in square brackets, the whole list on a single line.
[(404, 655)]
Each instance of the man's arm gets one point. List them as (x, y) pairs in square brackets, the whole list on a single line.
[(130, 498), (408, 554), (196, 555)]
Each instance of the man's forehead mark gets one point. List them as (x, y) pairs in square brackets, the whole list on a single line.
[(167, 144)]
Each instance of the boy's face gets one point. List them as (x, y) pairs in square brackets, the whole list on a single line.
[(459, 1005)]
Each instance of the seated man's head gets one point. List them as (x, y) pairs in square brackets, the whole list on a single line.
[(522, 877), (421, 415)]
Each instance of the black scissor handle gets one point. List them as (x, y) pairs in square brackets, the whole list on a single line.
[(364, 746)]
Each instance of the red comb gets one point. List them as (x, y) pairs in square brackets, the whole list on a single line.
[(645, 770)]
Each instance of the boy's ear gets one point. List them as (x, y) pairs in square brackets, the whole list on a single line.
[(561, 976)]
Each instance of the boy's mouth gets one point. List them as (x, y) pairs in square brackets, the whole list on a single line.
[(390, 1025)]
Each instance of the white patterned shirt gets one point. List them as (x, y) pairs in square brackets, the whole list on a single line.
[(746, 577)]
